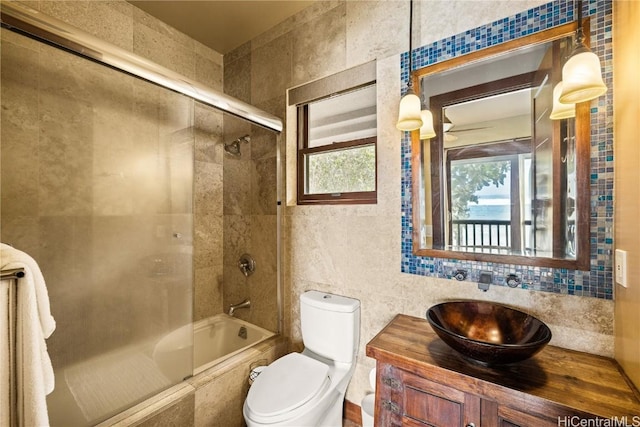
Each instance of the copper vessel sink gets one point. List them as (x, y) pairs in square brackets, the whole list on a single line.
[(488, 332)]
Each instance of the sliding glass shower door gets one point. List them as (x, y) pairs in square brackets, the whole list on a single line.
[(97, 177)]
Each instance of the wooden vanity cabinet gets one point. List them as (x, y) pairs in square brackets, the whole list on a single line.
[(421, 382), (407, 399)]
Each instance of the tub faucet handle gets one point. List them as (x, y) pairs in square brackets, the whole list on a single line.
[(247, 265)]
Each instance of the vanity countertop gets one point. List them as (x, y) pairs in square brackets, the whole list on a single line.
[(556, 379)]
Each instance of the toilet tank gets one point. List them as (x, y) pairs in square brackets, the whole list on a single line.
[(330, 325)]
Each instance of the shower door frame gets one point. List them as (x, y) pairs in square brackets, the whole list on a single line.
[(54, 32)]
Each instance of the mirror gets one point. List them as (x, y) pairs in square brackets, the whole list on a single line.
[(501, 181)]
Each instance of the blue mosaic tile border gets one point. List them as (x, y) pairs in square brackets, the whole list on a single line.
[(598, 282)]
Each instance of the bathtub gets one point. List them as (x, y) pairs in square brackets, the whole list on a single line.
[(101, 386), (214, 340)]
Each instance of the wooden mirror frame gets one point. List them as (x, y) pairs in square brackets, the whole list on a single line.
[(583, 161)]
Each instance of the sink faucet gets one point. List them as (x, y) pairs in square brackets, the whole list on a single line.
[(244, 304), (485, 280)]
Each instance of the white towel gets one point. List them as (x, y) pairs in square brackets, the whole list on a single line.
[(34, 324), (6, 358)]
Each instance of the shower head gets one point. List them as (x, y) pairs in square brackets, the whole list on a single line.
[(233, 147)]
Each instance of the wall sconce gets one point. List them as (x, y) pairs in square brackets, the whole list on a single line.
[(426, 130), (581, 75), (409, 117), (561, 111)]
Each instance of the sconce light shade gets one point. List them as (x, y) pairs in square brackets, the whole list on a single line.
[(409, 116), (561, 111), (426, 130), (581, 77)]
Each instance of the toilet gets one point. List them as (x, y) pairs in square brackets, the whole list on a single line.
[(308, 388)]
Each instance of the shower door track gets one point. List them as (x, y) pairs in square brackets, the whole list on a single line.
[(52, 31)]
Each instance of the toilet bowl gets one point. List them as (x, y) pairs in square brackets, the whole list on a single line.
[(308, 388)]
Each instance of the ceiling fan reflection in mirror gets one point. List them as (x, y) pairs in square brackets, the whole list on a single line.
[(449, 132)]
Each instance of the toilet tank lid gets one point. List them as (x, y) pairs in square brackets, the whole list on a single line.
[(330, 302)]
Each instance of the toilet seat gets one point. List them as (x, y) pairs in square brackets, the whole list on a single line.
[(287, 384)]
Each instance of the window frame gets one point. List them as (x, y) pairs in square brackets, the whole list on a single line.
[(301, 97), (303, 150), (510, 151)]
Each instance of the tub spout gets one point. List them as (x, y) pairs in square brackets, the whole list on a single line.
[(244, 304)]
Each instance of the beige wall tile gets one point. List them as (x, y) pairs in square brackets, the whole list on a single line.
[(208, 242), (263, 186), (208, 134), (237, 75), (163, 50), (209, 54), (209, 72), (20, 130), (220, 396), (90, 16), (208, 188), (208, 287), (262, 284), (275, 106), (237, 238), (319, 46), (179, 414), (366, 42), (388, 87), (271, 69), (264, 143), (237, 188), (65, 173)]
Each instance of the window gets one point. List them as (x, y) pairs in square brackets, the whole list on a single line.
[(485, 184), (337, 148), (336, 138)]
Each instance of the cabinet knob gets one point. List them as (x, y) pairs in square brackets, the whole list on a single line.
[(470, 425)]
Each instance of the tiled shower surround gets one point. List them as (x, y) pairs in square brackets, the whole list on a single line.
[(598, 281)]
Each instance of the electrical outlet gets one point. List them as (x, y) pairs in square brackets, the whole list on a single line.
[(621, 267)]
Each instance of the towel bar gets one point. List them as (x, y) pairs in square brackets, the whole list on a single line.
[(14, 273)]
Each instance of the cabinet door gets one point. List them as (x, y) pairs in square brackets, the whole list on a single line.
[(494, 414), (509, 417), (388, 405), (437, 405)]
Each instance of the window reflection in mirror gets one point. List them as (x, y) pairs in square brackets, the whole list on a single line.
[(500, 179)]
